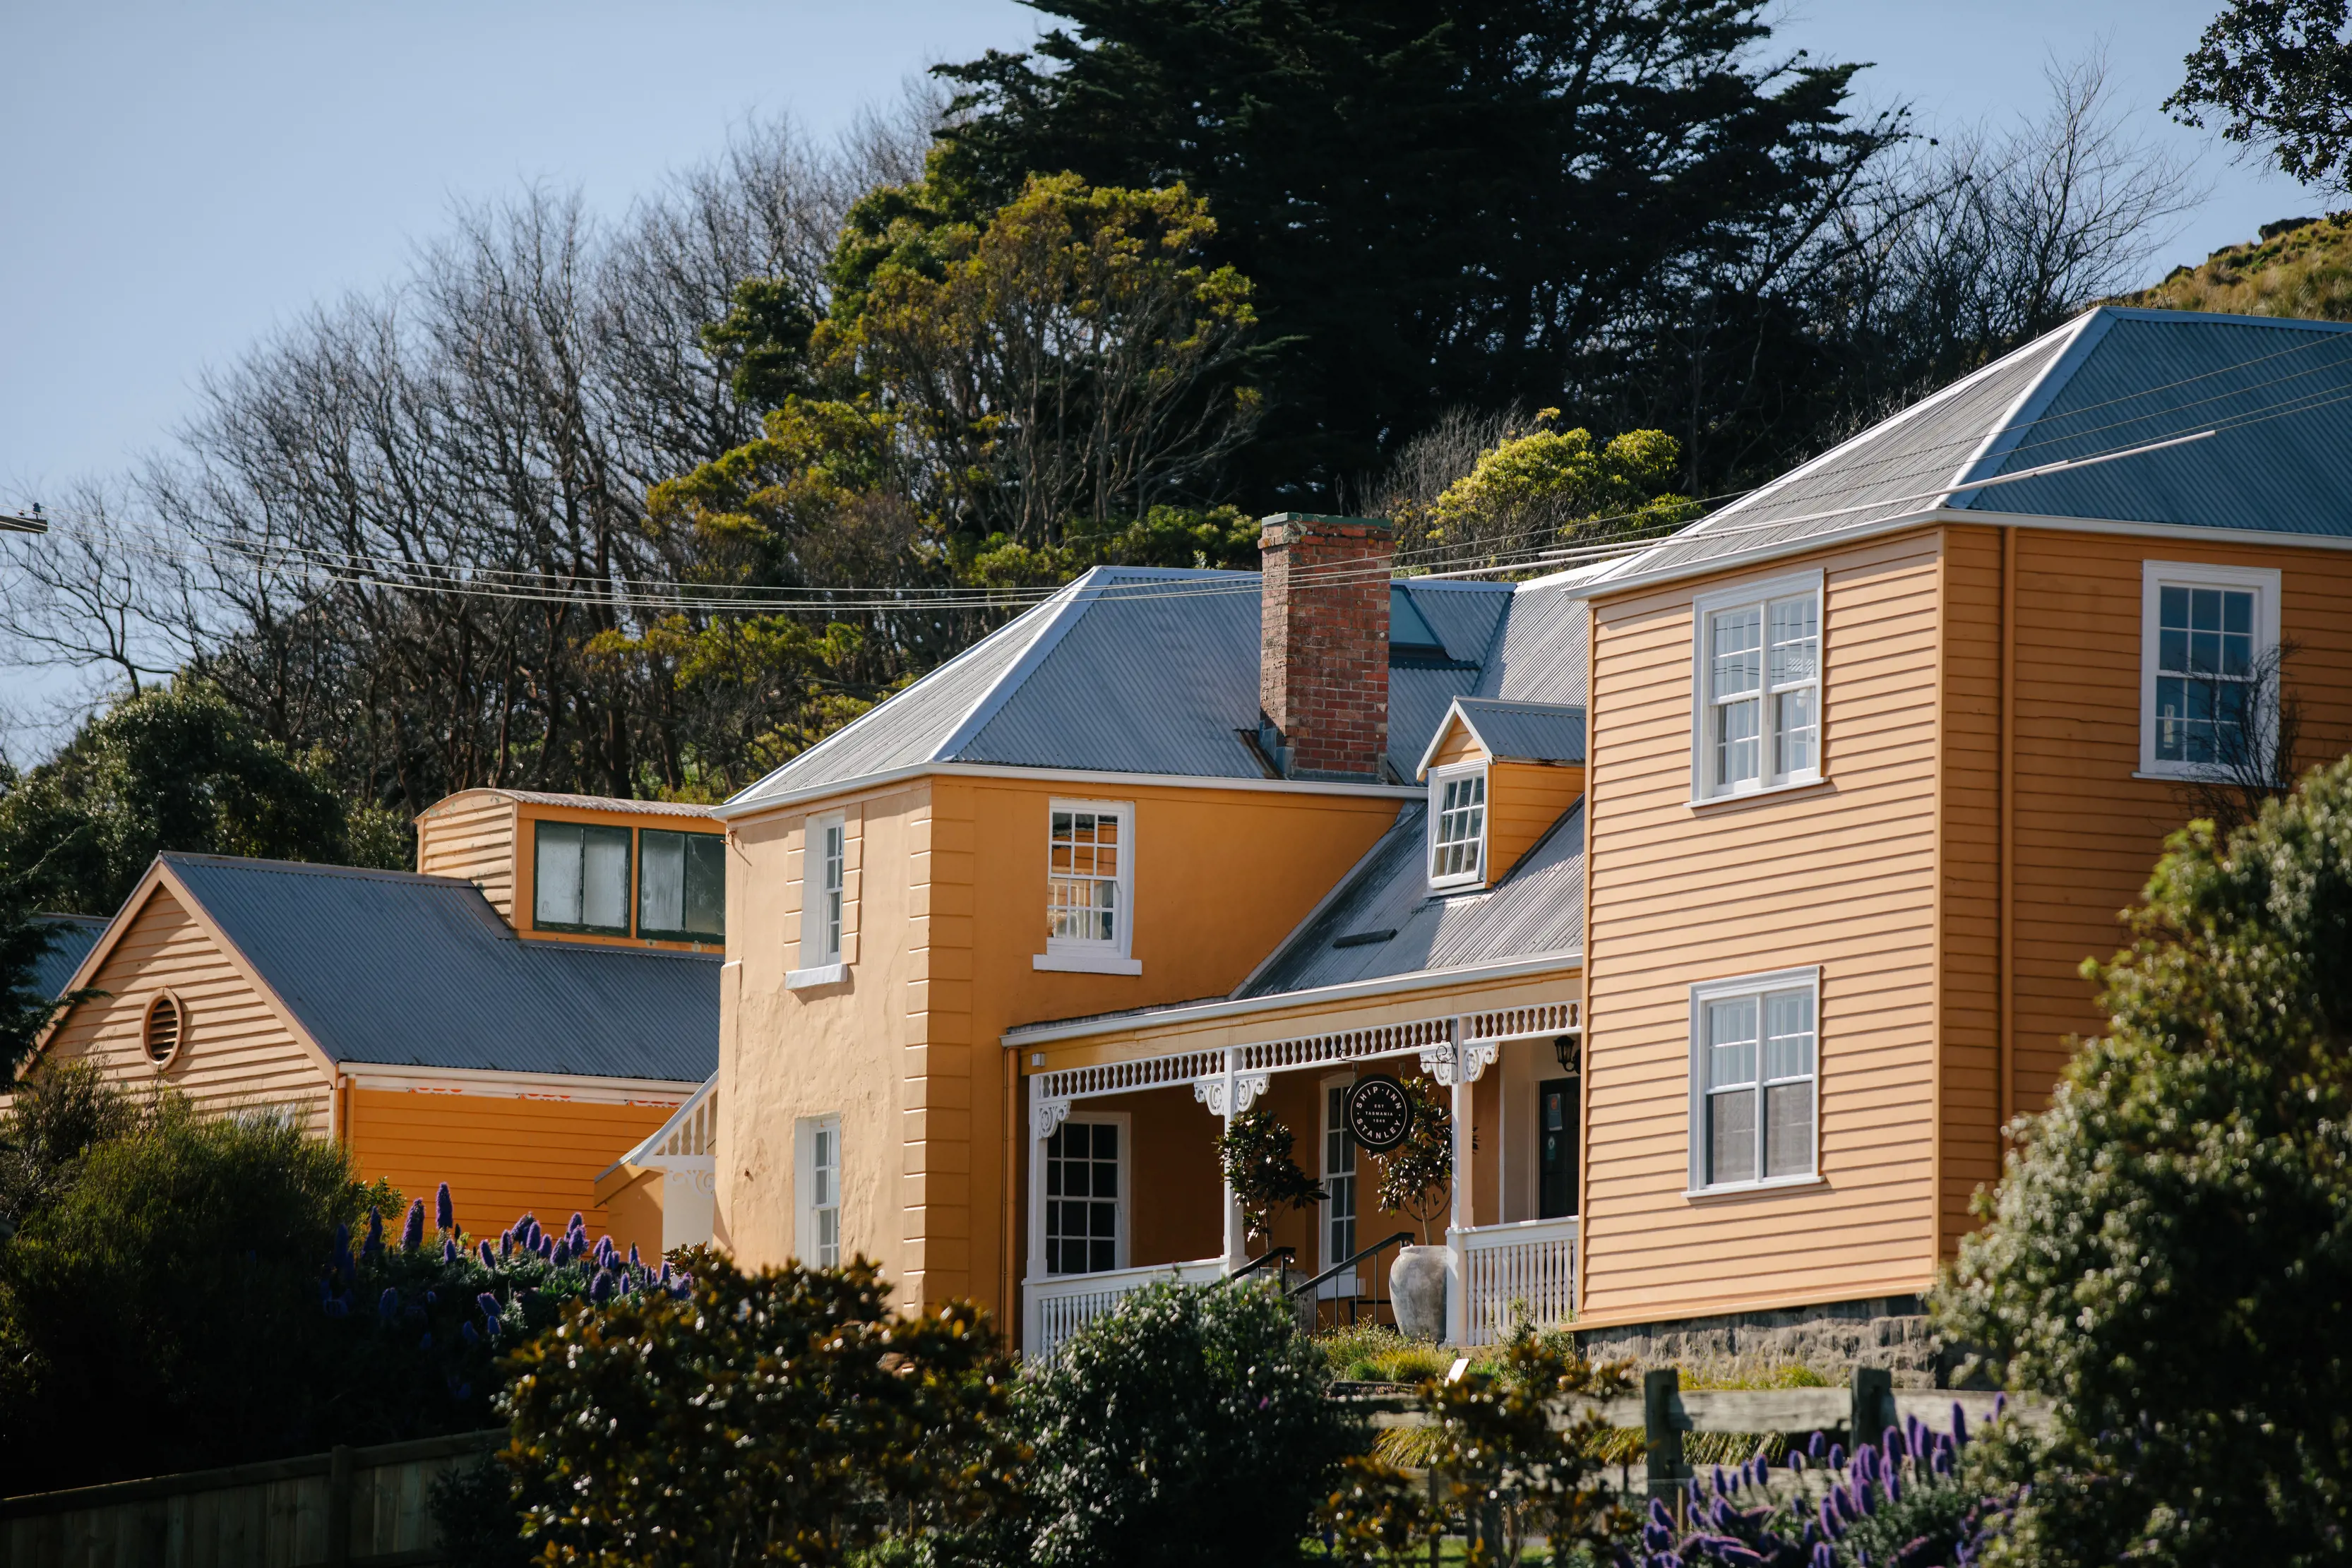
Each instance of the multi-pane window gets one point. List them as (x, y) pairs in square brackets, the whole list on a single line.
[(1458, 828), (2204, 673), (1754, 1068), (1759, 671), (579, 878), (824, 875), (1338, 1179), (1082, 1198), (2208, 668), (820, 1183), (681, 885), (1087, 879)]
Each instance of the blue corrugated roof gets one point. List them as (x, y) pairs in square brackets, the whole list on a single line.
[(419, 971), (72, 936), (1143, 670), (1383, 919), (2277, 393)]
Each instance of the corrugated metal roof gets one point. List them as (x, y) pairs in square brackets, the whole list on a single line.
[(72, 936), (397, 969), (1540, 655), (2276, 392), (598, 802), (1525, 732), (1134, 670), (1538, 909)]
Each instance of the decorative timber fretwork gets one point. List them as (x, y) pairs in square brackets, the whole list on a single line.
[(1229, 1080)]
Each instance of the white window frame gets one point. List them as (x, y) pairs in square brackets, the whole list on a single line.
[(1341, 1287), (1120, 1255), (1759, 593), (2155, 577), (824, 900), (1807, 979), (1439, 777), (1079, 955), (807, 1245)]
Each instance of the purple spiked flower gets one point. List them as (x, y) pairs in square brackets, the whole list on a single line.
[(412, 1233), (1959, 1422), (1895, 1450), (374, 1242), (1823, 1556), (1816, 1448), (387, 1306), (666, 1279), (599, 1289), (1832, 1523), (1720, 1489), (448, 1249), (482, 1249), (1999, 1405), (563, 1253), (1837, 1456), (445, 1212), (1797, 1460), (635, 1261), (578, 1222)]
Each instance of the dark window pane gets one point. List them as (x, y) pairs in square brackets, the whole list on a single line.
[(706, 884)]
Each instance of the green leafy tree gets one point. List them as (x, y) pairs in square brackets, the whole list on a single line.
[(2170, 1253), (24, 1007), (784, 1416), (177, 769), (1254, 1151), (1543, 486), (2280, 74), (1441, 203), (1417, 1175), (1190, 1425)]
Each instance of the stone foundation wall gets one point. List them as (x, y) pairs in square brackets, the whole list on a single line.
[(1892, 1331)]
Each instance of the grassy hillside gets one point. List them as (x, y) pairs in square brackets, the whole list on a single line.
[(2301, 268)]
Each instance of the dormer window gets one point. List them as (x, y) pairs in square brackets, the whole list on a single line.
[(1457, 826)]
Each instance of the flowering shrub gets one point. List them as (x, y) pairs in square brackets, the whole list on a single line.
[(435, 1310), (1904, 1502)]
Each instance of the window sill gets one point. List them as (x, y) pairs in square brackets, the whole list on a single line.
[(2192, 774), (822, 975), (1087, 963), (1699, 803), (1753, 1188)]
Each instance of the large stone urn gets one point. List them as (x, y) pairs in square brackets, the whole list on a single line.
[(1417, 1291)]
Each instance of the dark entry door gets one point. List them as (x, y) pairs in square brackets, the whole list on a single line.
[(1555, 1107)]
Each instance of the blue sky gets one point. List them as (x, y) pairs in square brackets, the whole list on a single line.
[(176, 179)]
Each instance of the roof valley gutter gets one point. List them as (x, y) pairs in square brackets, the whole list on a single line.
[(1189, 1012)]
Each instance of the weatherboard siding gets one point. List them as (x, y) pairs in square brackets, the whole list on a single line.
[(1968, 1141), (501, 1155), (2088, 833), (471, 835), (238, 1053), (1842, 875), (1523, 801)]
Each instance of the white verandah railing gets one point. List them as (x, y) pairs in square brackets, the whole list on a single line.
[(1059, 1305), (1517, 1273)]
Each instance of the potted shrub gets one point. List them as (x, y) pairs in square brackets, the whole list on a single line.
[(1255, 1152), (1417, 1179)]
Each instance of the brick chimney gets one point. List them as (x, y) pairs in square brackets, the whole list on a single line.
[(1323, 649)]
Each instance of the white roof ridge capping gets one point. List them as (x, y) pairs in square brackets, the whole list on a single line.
[(2025, 412), (1061, 612)]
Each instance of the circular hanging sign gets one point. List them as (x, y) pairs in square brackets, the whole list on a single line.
[(1379, 1113)]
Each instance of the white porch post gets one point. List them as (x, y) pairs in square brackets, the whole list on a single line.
[(1457, 1273), (1043, 1119), (1236, 1235)]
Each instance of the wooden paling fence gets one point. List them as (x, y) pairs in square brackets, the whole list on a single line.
[(354, 1508)]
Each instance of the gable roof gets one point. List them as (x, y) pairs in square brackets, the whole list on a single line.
[(1383, 920), (72, 936), (392, 968), (1513, 731), (1148, 670), (576, 802), (2276, 393)]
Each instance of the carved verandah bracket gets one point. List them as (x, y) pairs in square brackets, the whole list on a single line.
[(1247, 1087)]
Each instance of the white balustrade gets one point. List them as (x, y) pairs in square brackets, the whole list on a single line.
[(1055, 1307), (1517, 1273)]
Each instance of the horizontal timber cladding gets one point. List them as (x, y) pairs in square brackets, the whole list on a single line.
[(1841, 874), (236, 1053), (472, 835), (2088, 833), (1967, 1138), (501, 1155)]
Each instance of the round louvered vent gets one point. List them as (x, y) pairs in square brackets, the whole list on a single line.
[(166, 1029)]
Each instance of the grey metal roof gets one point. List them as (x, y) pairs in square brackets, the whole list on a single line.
[(1537, 909), (1137, 670), (72, 936), (1538, 654), (2278, 393), (398, 969), (1525, 732), (603, 803)]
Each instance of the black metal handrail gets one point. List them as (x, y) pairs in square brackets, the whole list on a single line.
[(1337, 1268), (1262, 1260)]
